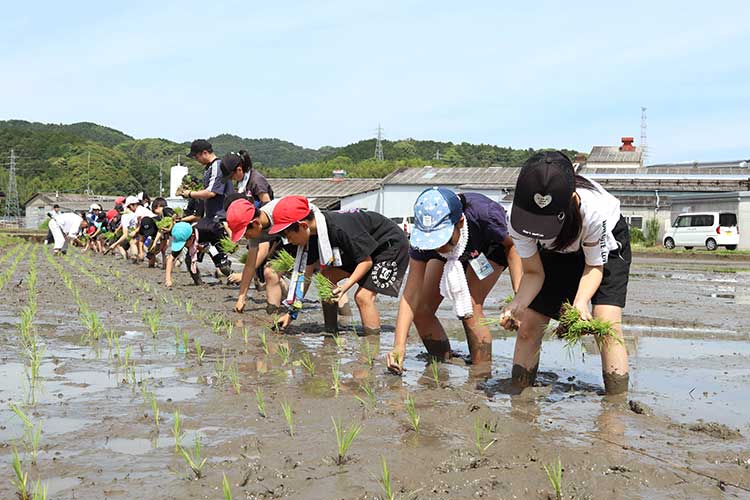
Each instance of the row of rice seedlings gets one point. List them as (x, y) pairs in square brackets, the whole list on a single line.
[(344, 438), (411, 413), (32, 433), (17, 257)]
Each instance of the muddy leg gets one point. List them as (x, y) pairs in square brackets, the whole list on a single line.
[(428, 327), (528, 345), (477, 333), (330, 316), (614, 354)]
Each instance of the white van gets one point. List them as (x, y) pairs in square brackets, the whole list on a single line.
[(405, 223), (712, 229)]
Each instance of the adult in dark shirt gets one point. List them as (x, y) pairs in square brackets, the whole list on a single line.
[(215, 187), (444, 221), (368, 250)]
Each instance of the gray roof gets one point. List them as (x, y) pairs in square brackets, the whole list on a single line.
[(454, 176), (612, 154), (322, 188), (69, 198)]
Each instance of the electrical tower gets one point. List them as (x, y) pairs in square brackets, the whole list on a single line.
[(644, 140), (379, 145), (11, 197)]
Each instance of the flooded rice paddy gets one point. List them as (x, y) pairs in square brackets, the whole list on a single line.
[(682, 432)]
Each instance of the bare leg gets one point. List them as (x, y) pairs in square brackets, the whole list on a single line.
[(477, 333), (528, 345), (614, 354), (428, 326)]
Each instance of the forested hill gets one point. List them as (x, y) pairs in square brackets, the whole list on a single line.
[(68, 158)]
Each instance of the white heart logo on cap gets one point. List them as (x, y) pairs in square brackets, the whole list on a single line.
[(542, 201)]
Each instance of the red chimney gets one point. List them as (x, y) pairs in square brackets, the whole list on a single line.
[(627, 144)]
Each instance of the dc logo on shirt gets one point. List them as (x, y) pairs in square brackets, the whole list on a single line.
[(384, 274)]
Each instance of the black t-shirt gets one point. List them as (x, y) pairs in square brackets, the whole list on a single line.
[(195, 207), (359, 235)]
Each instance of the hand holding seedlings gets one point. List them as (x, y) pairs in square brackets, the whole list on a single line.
[(395, 362), (572, 327)]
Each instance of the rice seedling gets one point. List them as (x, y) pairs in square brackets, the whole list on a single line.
[(260, 401), (325, 287), (307, 363), (225, 488), (152, 319), (177, 430), (227, 246), (572, 328), (263, 341), (93, 325), (370, 393), (344, 438), (435, 370), (40, 491), (164, 223), (193, 458), (336, 376), (220, 370), (185, 343), (339, 341), (385, 481), (283, 352), (555, 474), (411, 412), (155, 409), (189, 306), (176, 337), (234, 377), (481, 436), (126, 359), (199, 352), (282, 263), (245, 334), (286, 408), (134, 307), (32, 434), (146, 287), (368, 352), (229, 330), (20, 479)]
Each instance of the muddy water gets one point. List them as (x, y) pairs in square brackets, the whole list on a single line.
[(689, 359)]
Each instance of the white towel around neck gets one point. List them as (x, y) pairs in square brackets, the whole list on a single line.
[(453, 285)]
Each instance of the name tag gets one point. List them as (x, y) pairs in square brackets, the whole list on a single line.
[(481, 266), (336, 257)]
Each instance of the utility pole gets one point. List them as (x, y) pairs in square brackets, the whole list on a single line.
[(161, 183), (644, 140), (379, 145), (12, 208)]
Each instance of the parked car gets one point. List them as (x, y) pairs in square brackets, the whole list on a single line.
[(405, 223), (709, 229)]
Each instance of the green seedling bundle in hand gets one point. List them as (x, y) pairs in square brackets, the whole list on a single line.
[(226, 245), (325, 287), (572, 328), (165, 223), (282, 263), (190, 183)]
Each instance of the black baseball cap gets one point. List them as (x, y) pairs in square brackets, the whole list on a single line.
[(543, 190), (199, 145), (229, 163)]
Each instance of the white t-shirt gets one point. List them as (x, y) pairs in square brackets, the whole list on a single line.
[(128, 221), (142, 212), (600, 212), (69, 223)]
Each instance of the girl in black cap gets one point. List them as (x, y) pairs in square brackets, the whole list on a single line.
[(575, 247), (239, 168)]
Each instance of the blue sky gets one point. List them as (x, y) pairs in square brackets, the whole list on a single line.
[(545, 74)]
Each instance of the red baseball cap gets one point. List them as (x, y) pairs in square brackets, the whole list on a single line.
[(288, 210), (239, 215), (111, 214), (119, 200)]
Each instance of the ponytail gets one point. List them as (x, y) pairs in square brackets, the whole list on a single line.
[(245, 161), (573, 220)]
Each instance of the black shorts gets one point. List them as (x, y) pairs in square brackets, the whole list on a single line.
[(387, 273), (148, 227), (563, 271), (494, 252)]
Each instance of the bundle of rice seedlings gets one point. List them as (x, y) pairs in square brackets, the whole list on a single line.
[(191, 183), (325, 287), (226, 245), (283, 262), (164, 223), (572, 328)]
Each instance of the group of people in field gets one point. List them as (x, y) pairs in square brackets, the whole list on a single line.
[(564, 241)]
